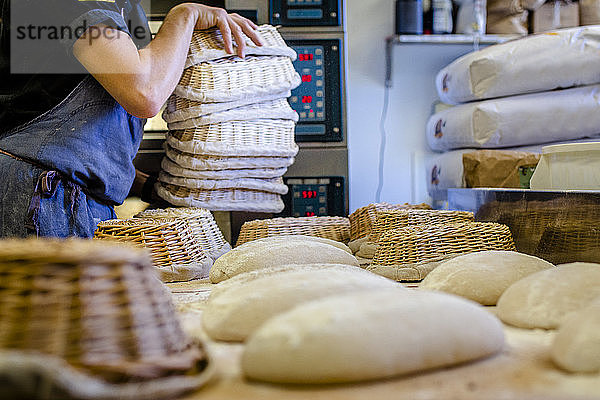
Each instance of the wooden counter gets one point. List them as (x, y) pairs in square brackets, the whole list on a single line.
[(522, 371)]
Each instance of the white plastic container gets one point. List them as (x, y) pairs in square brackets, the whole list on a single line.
[(574, 166)]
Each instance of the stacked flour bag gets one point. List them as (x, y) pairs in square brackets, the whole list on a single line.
[(518, 95), (231, 129)]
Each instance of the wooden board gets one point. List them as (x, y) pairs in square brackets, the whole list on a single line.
[(522, 371)]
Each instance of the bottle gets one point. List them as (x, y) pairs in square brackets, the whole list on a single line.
[(442, 16), (409, 17)]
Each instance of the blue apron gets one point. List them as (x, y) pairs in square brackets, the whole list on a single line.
[(62, 173)]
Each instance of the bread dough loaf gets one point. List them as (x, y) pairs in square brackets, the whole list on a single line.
[(237, 312), (576, 347), (272, 239), (270, 252), (483, 276), (246, 277), (370, 335), (544, 299)]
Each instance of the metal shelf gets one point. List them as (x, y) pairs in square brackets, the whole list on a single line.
[(474, 40)]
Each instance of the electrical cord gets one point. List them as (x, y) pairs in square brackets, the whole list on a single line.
[(382, 144)]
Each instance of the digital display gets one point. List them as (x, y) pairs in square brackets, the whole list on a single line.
[(310, 214), (306, 78), (309, 194), (306, 99), (305, 57)]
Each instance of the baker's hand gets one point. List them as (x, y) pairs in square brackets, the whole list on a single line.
[(230, 25)]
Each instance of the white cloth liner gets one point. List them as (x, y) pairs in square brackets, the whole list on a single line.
[(273, 45), (536, 63), (445, 171), (273, 204), (273, 185), (271, 109), (176, 170), (36, 375), (518, 121), (198, 109), (200, 162), (260, 146)]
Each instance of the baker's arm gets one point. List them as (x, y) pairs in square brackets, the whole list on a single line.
[(141, 80)]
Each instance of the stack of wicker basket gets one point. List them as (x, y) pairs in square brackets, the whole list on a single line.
[(231, 130)]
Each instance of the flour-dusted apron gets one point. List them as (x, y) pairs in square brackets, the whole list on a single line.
[(63, 172)]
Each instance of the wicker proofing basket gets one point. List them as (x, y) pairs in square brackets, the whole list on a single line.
[(261, 137), (334, 228), (179, 108), (233, 79), (213, 163), (273, 185), (208, 45), (220, 200), (89, 319), (420, 248), (363, 219), (265, 173), (202, 224), (394, 219), (272, 109), (175, 252)]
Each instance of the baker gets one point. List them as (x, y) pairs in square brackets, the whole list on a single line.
[(77, 80)]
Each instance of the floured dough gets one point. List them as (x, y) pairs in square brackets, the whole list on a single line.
[(370, 335), (240, 310), (245, 277), (270, 252), (483, 276), (354, 245), (544, 299), (271, 239), (576, 346)]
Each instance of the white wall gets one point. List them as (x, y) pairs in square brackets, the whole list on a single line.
[(368, 23)]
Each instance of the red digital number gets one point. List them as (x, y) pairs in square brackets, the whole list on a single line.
[(310, 214), (306, 78), (305, 57), (306, 99), (309, 194)]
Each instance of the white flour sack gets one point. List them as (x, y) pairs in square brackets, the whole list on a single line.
[(518, 121), (537, 63)]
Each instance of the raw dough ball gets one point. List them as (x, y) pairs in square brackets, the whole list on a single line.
[(483, 276), (245, 277), (234, 314), (272, 239), (270, 252), (544, 299), (576, 347), (370, 335)]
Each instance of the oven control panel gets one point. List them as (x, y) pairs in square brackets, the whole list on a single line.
[(318, 196), (318, 98)]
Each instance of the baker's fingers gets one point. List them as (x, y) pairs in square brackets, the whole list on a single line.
[(237, 34), (249, 28), (224, 27)]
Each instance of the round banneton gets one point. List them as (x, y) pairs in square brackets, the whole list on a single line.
[(99, 309), (170, 240), (201, 223), (264, 137), (232, 79), (271, 109), (273, 185), (212, 163), (421, 243), (363, 219), (208, 44), (394, 219), (334, 228), (221, 200), (264, 173), (179, 108)]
